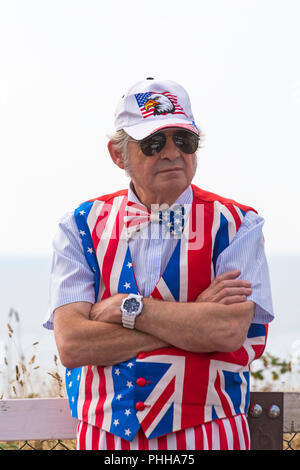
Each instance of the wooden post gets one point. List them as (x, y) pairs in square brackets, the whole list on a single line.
[(266, 420)]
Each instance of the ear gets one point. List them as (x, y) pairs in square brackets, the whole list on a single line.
[(115, 154)]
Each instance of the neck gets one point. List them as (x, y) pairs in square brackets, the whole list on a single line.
[(148, 199)]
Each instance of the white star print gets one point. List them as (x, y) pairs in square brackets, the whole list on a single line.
[(127, 432), (127, 285), (82, 232), (116, 422), (82, 212), (90, 250), (73, 399), (127, 412), (68, 373), (129, 265), (117, 372), (78, 377), (129, 384), (70, 384), (119, 396), (130, 364)]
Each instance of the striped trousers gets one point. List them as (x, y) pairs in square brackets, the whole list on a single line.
[(222, 434)]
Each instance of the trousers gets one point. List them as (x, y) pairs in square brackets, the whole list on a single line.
[(222, 434)]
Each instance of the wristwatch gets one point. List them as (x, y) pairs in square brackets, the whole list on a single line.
[(131, 307)]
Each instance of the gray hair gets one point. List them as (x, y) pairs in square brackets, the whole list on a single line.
[(120, 140)]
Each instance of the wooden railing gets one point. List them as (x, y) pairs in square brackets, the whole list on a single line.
[(271, 416)]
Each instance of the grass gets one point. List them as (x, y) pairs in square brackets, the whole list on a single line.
[(39, 445), (23, 378), (294, 441)]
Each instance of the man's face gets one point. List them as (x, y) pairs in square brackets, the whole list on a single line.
[(160, 176)]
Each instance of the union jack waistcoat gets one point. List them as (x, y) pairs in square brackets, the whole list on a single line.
[(176, 389)]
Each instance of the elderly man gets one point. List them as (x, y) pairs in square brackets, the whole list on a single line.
[(160, 294)]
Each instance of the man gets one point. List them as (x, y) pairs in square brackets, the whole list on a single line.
[(160, 294)]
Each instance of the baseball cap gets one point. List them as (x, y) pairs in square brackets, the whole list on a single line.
[(151, 105)]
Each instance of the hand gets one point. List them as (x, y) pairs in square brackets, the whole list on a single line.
[(226, 289), (108, 310)]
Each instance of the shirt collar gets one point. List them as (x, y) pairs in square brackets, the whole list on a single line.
[(185, 198)]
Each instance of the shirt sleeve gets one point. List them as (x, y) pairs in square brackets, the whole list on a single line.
[(247, 254), (71, 279)]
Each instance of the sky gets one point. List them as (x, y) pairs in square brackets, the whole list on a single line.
[(64, 65)]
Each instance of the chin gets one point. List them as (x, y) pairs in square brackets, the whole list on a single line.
[(174, 184)]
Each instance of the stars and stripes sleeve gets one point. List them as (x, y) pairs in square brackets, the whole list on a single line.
[(246, 253), (71, 279)]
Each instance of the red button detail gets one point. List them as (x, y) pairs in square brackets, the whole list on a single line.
[(141, 382), (140, 406), (141, 355)]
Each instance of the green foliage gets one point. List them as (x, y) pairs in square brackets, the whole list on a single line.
[(272, 364)]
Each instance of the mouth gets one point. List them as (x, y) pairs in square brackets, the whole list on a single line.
[(167, 170)]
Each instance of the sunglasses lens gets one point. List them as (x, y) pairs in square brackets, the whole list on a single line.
[(153, 145), (186, 141)]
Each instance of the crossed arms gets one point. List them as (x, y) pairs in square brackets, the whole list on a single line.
[(218, 320)]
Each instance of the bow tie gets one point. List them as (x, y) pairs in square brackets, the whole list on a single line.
[(137, 217)]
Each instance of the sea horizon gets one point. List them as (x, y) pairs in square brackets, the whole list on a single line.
[(25, 290)]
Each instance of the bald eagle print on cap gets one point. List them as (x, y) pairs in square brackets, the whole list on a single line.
[(157, 104)]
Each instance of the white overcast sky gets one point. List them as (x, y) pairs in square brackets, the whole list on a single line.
[(64, 64)]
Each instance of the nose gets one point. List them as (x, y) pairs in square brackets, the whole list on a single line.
[(170, 151)]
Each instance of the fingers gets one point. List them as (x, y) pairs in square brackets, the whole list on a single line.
[(231, 293), (228, 275), (226, 288), (228, 280), (234, 299), (229, 289)]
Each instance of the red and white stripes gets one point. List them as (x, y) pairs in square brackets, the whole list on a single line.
[(222, 434)]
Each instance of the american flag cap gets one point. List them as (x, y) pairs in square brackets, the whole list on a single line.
[(151, 105)]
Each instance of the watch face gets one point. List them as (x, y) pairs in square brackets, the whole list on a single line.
[(131, 305)]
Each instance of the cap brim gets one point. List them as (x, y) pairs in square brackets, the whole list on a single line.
[(143, 130)]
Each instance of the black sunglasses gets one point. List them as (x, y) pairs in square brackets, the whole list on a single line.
[(186, 141)]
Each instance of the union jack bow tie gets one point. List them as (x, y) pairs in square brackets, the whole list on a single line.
[(137, 217)]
